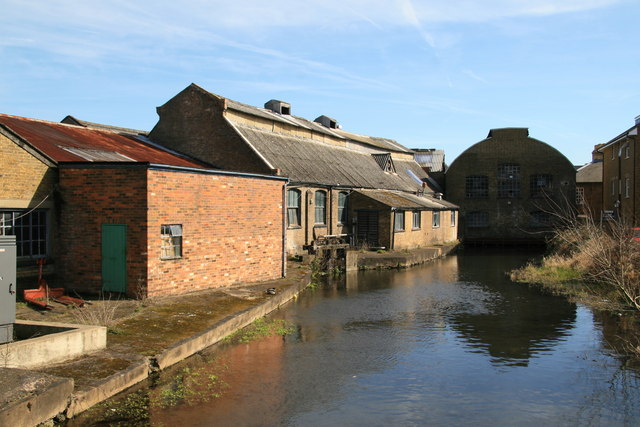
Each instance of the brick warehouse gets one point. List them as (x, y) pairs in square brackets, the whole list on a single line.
[(511, 188), (116, 212)]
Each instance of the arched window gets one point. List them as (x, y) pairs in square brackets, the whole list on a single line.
[(321, 208), (293, 207), (343, 207)]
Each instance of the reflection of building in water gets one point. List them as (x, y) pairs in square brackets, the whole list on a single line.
[(518, 323), (243, 370)]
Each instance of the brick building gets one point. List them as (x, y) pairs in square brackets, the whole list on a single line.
[(341, 183), (114, 212), (589, 187), (620, 176), (510, 188)]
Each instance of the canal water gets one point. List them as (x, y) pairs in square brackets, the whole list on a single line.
[(453, 342)]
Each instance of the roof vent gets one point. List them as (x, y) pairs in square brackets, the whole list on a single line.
[(327, 122), (279, 107)]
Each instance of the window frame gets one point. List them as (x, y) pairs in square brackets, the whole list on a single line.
[(508, 180), (32, 231), (171, 241), (478, 219), (537, 190), (320, 208), (476, 187), (417, 220), (580, 200), (294, 211), (343, 208), (453, 218), (435, 219), (398, 221)]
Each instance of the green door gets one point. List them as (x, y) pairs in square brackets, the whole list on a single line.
[(114, 261)]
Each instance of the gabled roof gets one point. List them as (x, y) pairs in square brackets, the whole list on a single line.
[(405, 201), (633, 130), (304, 160), (60, 142)]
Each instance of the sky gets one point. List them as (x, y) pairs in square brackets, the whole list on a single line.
[(427, 73)]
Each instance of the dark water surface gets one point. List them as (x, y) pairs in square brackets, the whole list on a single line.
[(453, 342)]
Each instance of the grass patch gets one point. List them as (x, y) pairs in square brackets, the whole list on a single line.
[(259, 329)]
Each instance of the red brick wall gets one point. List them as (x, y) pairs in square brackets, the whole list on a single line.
[(232, 230), (90, 198)]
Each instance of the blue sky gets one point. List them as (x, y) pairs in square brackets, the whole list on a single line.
[(432, 73)]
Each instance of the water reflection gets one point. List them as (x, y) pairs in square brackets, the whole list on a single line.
[(452, 342)]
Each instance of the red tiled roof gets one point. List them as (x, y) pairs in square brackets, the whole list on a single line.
[(67, 143)]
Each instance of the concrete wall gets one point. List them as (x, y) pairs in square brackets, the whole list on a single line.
[(510, 218)]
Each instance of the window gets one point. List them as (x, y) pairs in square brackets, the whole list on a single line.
[(509, 181), (627, 151), (613, 186), (477, 187), (171, 237), (436, 219), (417, 220), (30, 229), (580, 196), (540, 185), (321, 207), (399, 221), (477, 219), (343, 208), (540, 219), (293, 208), (627, 188), (453, 218)]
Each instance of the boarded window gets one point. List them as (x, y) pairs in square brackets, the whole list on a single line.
[(171, 241), (321, 207), (293, 208), (477, 187), (30, 229)]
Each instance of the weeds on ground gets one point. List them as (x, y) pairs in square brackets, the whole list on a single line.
[(259, 329)]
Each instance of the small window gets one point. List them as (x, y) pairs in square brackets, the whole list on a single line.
[(343, 207), (436, 219), (477, 219), (509, 181), (627, 188), (293, 208), (417, 220), (580, 196), (540, 185), (399, 221), (453, 218), (171, 246), (540, 219), (627, 151), (477, 187), (613, 186), (321, 208), (30, 229)]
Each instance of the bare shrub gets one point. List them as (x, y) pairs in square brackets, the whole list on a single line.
[(103, 312)]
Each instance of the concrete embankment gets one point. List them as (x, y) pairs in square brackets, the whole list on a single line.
[(367, 260)]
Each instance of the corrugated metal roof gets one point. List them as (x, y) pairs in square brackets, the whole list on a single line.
[(431, 158), (68, 143), (307, 161), (407, 201)]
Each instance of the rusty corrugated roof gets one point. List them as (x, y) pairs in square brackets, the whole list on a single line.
[(68, 143)]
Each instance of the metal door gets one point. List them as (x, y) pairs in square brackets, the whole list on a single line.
[(114, 257), (7, 287), (367, 227)]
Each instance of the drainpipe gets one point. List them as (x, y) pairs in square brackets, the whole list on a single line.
[(393, 228), (330, 210), (306, 218)]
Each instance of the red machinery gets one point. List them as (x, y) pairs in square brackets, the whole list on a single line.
[(40, 297)]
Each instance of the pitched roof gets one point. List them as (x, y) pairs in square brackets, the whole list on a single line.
[(68, 143), (304, 160), (591, 172), (405, 201), (70, 120), (430, 158)]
